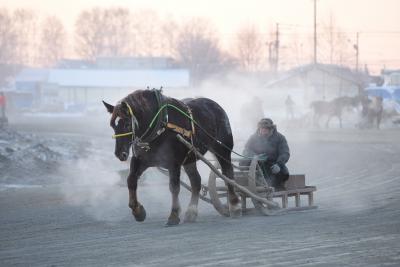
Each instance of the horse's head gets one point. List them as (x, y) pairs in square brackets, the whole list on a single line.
[(121, 121)]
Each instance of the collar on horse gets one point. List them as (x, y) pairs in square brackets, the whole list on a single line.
[(157, 125)]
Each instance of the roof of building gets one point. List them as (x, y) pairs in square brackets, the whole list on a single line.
[(107, 78), (32, 75), (357, 78)]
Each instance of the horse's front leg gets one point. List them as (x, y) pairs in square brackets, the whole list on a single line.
[(174, 187), (136, 169)]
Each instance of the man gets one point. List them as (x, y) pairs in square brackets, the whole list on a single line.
[(267, 141), (289, 107)]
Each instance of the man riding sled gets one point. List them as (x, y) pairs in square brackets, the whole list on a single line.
[(272, 145)]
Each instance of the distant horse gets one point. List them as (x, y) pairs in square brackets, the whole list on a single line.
[(149, 122), (372, 110), (333, 108)]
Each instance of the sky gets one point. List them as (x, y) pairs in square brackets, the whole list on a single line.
[(378, 21)]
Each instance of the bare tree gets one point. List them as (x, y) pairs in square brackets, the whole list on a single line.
[(25, 29), (7, 38), (103, 32), (89, 34), (7, 46), (296, 55), (52, 41), (249, 47), (147, 32), (336, 42), (169, 36), (198, 49), (117, 31)]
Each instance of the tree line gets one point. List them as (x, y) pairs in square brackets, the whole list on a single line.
[(29, 40)]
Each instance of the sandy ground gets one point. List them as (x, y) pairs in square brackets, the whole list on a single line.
[(85, 222)]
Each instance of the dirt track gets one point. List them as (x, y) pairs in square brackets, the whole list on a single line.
[(357, 223)]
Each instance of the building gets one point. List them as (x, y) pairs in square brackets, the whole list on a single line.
[(312, 82), (391, 78), (78, 84)]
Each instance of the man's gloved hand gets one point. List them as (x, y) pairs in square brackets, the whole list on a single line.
[(275, 168)]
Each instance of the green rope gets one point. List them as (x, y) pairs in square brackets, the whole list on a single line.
[(195, 122)]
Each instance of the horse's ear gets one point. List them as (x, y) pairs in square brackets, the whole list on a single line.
[(110, 108)]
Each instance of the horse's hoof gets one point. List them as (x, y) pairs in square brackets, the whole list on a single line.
[(190, 216), (173, 220), (139, 213), (235, 211), (225, 211)]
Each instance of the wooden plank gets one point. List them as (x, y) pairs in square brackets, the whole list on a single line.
[(243, 198), (296, 181), (301, 208), (284, 201), (222, 195), (268, 212), (297, 198), (243, 189), (310, 199), (295, 191), (242, 180)]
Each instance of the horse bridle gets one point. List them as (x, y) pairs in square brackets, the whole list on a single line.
[(134, 124), (138, 141)]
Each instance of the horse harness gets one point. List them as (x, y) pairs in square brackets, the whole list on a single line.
[(162, 124)]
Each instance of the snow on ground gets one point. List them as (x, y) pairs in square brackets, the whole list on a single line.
[(84, 220)]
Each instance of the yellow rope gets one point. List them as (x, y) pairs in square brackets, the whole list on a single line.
[(121, 135), (129, 133)]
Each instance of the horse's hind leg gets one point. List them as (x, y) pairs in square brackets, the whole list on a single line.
[(195, 182), (378, 120), (224, 159), (174, 187), (316, 120), (327, 122)]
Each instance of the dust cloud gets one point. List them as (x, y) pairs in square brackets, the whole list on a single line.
[(338, 162)]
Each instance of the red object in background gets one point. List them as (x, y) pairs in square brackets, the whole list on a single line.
[(2, 100)]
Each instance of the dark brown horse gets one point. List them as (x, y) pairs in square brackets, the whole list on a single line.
[(372, 110), (333, 108), (156, 145)]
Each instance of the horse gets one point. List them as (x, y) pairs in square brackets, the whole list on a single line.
[(372, 109), (333, 108), (148, 122)]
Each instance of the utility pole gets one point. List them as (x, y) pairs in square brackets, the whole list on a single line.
[(270, 56), (356, 47), (277, 48), (315, 31), (331, 39)]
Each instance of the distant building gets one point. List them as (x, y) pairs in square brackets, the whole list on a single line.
[(135, 63), (320, 81), (28, 84), (120, 63), (391, 78), (75, 84)]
